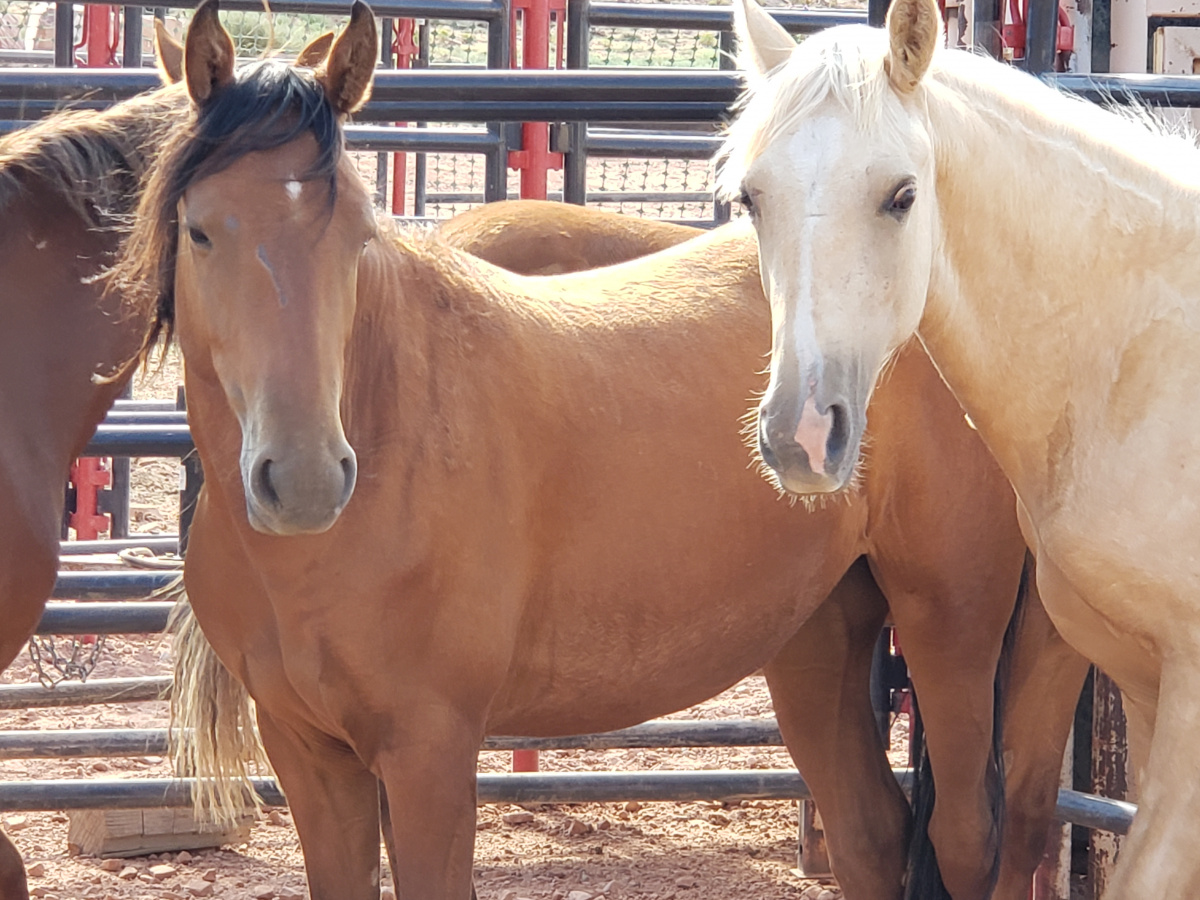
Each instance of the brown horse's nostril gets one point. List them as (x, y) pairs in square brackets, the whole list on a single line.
[(262, 484), (350, 474)]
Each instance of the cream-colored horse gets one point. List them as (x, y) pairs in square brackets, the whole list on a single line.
[(1046, 251)]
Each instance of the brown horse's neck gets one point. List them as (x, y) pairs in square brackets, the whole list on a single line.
[(425, 326), (58, 335)]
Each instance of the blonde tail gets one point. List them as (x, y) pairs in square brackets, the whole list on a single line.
[(213, 735)]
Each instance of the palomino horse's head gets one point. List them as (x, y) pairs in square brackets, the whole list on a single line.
[(253, 227), (832, 160)]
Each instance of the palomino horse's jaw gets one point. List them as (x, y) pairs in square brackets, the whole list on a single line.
[(810, 436), (295, 487)]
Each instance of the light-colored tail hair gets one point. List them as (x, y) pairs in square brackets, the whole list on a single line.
[(213, 735)]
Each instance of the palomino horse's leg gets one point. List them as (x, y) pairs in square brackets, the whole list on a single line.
[(951, 630), (1159, 857), (1045, 677), (819, 685), (334, 801)]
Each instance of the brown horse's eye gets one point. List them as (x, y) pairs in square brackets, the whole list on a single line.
[(199, 238), (903, 200)]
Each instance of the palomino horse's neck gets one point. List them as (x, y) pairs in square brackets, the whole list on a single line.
[(1064, 236)]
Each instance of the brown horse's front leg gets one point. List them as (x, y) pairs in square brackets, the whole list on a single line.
[(430, 780), (12, 872), (334, 801), (820, 687), (1044, 681), (952, 633)]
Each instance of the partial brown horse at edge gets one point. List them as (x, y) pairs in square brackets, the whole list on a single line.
[(67, 187), (533, 453)]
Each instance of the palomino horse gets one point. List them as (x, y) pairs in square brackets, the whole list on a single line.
[(871, 160), (549, 480)]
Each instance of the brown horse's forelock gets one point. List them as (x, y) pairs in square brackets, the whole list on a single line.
[(269, 105), (93, 159)]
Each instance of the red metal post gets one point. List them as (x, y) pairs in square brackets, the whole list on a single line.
[(90, 476), (534, 160), (405, 48), (101, 38)]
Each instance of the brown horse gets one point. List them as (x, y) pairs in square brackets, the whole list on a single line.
[(67, 187), (551, 482)]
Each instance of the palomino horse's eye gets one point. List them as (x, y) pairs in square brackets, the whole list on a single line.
[(902, 200), (199, 238), (747, 201)]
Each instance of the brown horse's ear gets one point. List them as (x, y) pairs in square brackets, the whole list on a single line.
[(762, 43), (347, 73), (914, 31), (168, 54), (207, 54), (314, 54)]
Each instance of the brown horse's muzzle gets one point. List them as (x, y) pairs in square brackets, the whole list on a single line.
[(298, 492)]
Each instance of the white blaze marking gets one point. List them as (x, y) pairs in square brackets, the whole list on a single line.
[(293, 189), (261, 253)]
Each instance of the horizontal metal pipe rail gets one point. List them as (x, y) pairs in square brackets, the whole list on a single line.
[(713, 18), (79, 743), (122, 617), (533, 787), (74, 693), (119, 584), (173, 440), (652, 146), (159, 543), (431, 95), (476, 10), (518, 95), (522, 787)]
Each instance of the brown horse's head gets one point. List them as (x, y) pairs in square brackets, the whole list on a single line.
[(251, 231)]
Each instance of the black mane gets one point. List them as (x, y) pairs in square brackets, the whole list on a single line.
[(268, 105)]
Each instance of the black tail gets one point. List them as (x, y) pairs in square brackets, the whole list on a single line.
[(924, 878)]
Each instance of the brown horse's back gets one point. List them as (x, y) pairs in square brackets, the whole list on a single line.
[(538, 237)]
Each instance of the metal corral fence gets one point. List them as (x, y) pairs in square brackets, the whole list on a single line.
[(619, 99), (664, 180)]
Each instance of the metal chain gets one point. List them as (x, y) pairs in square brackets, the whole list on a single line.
[(53, 667)]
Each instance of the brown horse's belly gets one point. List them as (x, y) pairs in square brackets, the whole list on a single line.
[(657, 641)]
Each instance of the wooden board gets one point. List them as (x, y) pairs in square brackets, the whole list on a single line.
[(136, 832)]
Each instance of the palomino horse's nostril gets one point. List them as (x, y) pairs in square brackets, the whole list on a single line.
[(764, 445), (262, 484), (839, 433)]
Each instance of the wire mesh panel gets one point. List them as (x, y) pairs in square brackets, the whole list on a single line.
[(26, 33)]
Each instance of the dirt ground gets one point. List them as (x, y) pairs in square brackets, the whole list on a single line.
[(655, 851)]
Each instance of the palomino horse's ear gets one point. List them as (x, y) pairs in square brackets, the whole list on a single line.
[(207, 54), (347, 73), (168, 54), (314, 54), (762, 43), (914, 31)]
